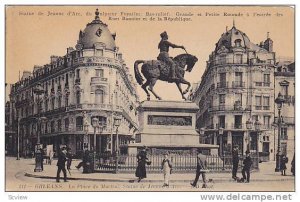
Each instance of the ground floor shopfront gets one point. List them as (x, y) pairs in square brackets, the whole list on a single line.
[(255, 141), (105, 143)]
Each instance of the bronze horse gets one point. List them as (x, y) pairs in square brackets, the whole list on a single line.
[(154, 70)]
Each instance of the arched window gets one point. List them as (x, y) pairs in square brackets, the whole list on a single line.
[(99, 96), (237, 42)]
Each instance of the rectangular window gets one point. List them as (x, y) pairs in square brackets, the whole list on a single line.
[(66, 124), (99, 72), (221, 122), (267, 80), (267, 121), (284, 90), (266, 102), (222, 99), (258, 102), (99, 52), (238, 59)]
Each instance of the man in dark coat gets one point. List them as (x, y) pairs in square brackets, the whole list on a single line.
[(235, 161), (85, 161), (284, 160), (246, 168), (293, 165), (141, 168), (201, 169), (61, 164)]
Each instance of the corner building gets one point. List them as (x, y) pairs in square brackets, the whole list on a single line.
[(236, 95), (90, 81)]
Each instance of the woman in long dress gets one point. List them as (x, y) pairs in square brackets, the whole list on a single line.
[(141, 168)]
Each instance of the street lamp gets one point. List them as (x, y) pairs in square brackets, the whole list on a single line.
[(95, 124), (117, 122), (221, 132), (86, 130), (38, 90), (249, 127), (257, 126), (279, 101)]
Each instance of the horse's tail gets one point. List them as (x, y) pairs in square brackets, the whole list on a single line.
[(137, 73)]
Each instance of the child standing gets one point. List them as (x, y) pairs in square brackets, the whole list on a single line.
[(166, 166)]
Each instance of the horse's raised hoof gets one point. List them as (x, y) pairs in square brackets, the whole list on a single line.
[(185, 92)]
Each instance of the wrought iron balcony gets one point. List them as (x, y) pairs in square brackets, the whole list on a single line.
[(79, 127), (238, 84), (237, 126), (222, 85), (96, 80)]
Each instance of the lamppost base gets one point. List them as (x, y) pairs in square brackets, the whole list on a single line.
[(38, 161), (277, 169)]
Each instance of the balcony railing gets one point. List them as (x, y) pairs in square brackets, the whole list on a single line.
[(222, 85), (79, 128), (95, 80), (221, 125), (258, 107), (265, 84), (258, 83), (238, 84), (237, 126), (229, 108)]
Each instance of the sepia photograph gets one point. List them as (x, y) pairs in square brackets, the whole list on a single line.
[(150, 98)]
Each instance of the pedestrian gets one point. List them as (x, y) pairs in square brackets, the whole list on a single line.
[(142, 160), (51, 154), (61, 163), (201, 169), (85, 162), (69, 158), (166, 166), (293, 165), (246, 168), (235, 161), (283, 161)]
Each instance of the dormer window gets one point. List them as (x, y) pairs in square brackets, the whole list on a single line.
[(238, 42)]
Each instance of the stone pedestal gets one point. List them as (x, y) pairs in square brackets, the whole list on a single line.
[(168, 124)]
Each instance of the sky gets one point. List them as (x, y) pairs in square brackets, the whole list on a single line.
[(32, 38)]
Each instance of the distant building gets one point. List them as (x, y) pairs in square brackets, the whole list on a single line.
[(90, 81), (236, 95), (285, 84)]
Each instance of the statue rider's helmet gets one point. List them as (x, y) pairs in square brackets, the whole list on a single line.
[(164, 35)]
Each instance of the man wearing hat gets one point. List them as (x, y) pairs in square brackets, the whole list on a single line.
[(246, 168), (164, 46), (235, 161), (201, 169), (61, 163)]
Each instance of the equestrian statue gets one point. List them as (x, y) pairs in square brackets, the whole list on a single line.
[(165, 68)]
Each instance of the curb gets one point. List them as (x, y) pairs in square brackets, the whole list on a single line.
[(132, 180)]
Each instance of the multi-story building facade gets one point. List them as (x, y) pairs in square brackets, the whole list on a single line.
[(285, 84), (90, 81), (236, 95)]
